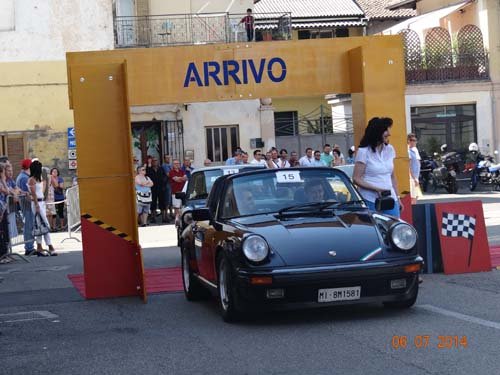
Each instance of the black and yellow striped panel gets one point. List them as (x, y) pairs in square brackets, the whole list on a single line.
[(109, 228)]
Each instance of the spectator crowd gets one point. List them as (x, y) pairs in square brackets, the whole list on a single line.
[(34, 199), (156, 184)]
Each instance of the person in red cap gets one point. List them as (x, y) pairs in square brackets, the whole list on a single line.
[(22, 183)]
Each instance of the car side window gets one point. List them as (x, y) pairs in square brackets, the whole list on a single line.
[(228, 204), (197, 188)]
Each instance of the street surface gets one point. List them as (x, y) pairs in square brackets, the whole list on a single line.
[(46, 327)]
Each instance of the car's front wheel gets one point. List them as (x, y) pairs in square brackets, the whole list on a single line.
[(406, 304), (193, 290), (227, 293)]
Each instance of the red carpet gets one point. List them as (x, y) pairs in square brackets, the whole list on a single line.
[(158, 280), (495, 256)]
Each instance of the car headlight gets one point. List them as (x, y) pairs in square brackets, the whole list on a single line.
[(187, 218), (255, 248), (403, 236)]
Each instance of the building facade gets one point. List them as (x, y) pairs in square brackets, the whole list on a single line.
[(452, 52), (34, 38)]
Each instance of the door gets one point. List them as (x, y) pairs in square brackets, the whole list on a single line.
[(126, 24)]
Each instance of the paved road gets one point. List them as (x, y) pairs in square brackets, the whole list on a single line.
[(172, 336)]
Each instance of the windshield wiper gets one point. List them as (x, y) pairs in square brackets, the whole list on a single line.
[(350, 203), (308, 206)]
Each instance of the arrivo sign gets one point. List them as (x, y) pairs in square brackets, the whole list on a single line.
[(240, 72)]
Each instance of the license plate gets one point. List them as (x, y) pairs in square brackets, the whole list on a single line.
[(339, 294)]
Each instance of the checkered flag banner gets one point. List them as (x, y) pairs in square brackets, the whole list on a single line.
[(458, 225)]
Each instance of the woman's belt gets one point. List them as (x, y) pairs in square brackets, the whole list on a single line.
[(40, 199)]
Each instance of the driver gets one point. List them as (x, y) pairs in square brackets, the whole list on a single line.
[(314, 191), (246, 202)]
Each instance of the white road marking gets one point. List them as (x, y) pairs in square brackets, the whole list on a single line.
[(26, 316), (467, 318)]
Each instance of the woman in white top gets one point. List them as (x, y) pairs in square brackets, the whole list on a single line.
[(374, 167), (36, 188)]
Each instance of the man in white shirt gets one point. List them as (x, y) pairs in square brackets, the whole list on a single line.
[(257, 158), (275, 161), (307, 159), (317, 162), (283, 162)]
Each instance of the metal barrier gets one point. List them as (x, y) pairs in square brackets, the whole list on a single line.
[(73, 212)]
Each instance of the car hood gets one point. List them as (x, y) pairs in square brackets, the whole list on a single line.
[(345, 237)]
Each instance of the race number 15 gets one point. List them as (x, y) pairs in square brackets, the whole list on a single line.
[(288, 176)]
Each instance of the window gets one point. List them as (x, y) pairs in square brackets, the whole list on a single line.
[(286, 123), (341, 33), (454, 125), (7, 19), (323, 33), (221, 142)]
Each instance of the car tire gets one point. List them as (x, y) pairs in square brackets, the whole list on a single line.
[(193, 290), (406, 304), (227, 295)]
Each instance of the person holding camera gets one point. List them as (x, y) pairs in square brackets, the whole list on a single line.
[(374, 168)]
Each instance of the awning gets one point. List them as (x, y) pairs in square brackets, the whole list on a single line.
[(425, 21), (313, 25)]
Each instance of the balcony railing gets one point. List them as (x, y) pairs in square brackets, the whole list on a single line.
[(203, 28), (427, 68)]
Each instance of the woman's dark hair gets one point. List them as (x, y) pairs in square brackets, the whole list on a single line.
[(336, 152), (36, 170), (56, 170), (283, 150), (350, 152), (374, 132)]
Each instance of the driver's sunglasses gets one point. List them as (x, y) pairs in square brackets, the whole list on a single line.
[(413, 140)]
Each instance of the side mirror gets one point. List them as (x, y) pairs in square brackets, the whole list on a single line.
[(202, 214), (180, 195)]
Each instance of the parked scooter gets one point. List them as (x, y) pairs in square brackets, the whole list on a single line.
[(445, 173), (485, 171)]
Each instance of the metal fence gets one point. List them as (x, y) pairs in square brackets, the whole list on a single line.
[(427, 67), (73, 212), (200, 28)]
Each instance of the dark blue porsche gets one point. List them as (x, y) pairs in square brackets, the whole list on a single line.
[(294, 238)]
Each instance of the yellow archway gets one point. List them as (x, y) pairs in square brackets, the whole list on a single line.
[(104, 84)]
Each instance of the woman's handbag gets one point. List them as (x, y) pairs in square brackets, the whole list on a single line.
[(385, 202), (40, 227), (144, 197)]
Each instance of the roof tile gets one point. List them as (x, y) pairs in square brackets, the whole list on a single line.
[(377, 9)]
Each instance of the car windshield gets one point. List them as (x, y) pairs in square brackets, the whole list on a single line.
[(201, 182), (287, 190)]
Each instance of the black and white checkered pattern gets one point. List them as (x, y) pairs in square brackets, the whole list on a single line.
[(458, 225)]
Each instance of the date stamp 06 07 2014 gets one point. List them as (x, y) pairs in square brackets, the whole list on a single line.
[(429, 341)]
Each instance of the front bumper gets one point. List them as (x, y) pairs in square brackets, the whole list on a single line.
[(301, 285)]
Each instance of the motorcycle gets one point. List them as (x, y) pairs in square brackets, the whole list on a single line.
[(427, 165), (444, 175), (485, 172)]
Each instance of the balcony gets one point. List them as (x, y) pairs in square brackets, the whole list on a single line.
[(443, 57), (202, 28), (430, 68)]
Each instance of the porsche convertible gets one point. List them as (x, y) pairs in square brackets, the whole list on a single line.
[(295, 238)]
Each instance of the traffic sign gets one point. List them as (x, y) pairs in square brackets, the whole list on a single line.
[(72, 154), (72, 164), (71, 138)]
